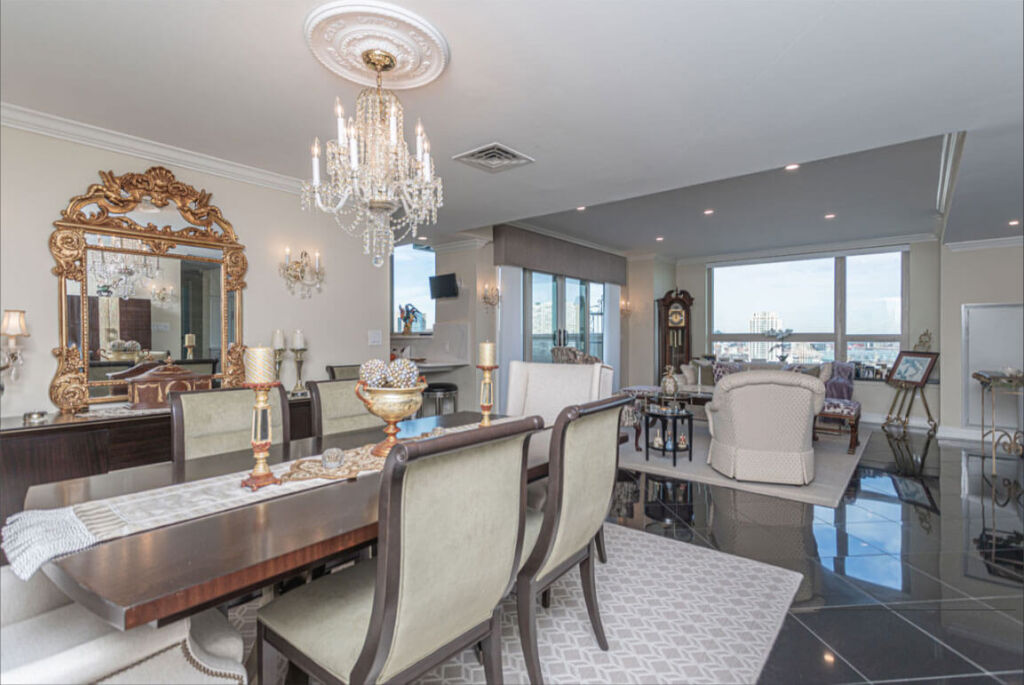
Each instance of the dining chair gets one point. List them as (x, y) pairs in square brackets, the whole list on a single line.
[(205, 422), (436, 586), (336, 409), (582, 466), (343, 372)]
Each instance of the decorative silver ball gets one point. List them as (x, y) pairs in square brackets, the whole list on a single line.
[(402, 373), (373, 372)]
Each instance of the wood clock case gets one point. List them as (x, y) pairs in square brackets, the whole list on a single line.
[(674, 334)]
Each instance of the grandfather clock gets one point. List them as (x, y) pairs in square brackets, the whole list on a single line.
[(674, 329)]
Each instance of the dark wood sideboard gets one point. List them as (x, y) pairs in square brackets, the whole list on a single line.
[(64, 448)]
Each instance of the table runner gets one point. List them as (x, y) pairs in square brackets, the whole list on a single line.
[(32, 538)]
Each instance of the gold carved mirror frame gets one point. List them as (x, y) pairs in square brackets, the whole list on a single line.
[(103, 211)]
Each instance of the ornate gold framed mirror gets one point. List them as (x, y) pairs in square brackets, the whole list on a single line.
[(147, 269)]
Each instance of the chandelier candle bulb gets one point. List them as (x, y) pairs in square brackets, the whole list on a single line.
[(317, 262), (316, 161), (287, 255), (339, 114)]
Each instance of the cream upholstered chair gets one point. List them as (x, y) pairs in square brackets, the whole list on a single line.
[(336, 409), (343, 372), (581, 472), (205, 422), (436, 586), (761, 425), (47, 638)]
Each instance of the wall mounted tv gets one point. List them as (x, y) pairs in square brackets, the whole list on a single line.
[(442, 286)]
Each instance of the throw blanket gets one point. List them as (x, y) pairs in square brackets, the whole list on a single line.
[(32, 538)]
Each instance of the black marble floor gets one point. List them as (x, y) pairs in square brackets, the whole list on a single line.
[(917, 575)]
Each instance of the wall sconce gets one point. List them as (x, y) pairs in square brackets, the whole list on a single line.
[(491, 296), (625, 308), (12, 326), (162, 296), (303, 274)]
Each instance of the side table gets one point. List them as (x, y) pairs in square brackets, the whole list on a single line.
[(669, 417)]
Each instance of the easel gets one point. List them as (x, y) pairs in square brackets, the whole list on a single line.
[(906, 393)]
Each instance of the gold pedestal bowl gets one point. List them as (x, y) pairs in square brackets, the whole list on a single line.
[(392, 405)]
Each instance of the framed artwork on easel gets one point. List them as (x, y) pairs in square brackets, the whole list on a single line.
[(912, 368)]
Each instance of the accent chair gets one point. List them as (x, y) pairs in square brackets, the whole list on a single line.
[(47, 638), (436, 587), (205, 422), (581, 473), (343, 372), (336, 408), (761, 425)]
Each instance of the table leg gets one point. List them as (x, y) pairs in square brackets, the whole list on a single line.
[(689, 437), (647, 438), (636, 435), (675, 440)]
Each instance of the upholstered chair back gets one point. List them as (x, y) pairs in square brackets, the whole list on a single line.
[(205, 422), (336, 408), (343, 372), (581, 472), (442, 572), (546, 389)]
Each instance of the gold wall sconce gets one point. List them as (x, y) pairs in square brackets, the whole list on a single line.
[(302, 275), (625, 308), (490, 296)]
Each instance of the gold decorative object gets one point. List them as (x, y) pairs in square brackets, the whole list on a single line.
[(486, 394), (302, 275), (259, 375), (669, 384), (490, 296), (299, 385), (103, 211), (392, 405)]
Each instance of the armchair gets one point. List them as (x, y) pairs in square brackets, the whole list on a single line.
[(761, 425)]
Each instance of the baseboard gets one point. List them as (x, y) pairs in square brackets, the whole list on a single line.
[(921, 423)]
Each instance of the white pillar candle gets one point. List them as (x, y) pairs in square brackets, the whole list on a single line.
[(298, 340), (259, 365), (317, 265), (487, 356), (278, 340), (190, 339)]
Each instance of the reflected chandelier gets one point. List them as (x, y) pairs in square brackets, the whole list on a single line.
[(375, 189)]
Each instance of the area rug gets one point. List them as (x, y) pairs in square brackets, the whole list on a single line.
[(833, 468), (673, 613)]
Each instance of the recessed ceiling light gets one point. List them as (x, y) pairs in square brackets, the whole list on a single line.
[(580, 209), (1015, 222), (421, 237), (660, 238), (830, 216), (709, 212), (792, 167)]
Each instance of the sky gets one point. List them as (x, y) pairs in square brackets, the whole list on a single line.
[(412, 271), (802, 294)]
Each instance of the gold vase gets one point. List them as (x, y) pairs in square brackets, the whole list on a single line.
[(392, 405)]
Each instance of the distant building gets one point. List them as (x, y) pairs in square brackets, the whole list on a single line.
[(762, 322)]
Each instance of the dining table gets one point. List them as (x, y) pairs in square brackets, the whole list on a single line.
[(161, 575)]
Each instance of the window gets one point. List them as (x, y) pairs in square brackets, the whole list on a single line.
[(411, 269), (848, 308), (562, 311)]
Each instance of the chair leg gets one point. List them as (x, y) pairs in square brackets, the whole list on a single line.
[(526, 607), (493, 673), (602, 553), (259, 652), (854, 440), (590, 596), (545, 598)]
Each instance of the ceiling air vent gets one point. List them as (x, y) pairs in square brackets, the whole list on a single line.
[(493, 157)]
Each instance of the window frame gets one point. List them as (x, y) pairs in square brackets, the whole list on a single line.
[(839, 337), (392, 312), (560, 313)]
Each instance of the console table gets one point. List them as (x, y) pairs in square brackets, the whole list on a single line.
[(66, 447)]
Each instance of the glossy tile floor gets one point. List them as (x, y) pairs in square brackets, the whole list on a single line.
[(918, 574)]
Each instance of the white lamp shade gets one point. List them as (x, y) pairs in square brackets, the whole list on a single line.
[(13, 323)]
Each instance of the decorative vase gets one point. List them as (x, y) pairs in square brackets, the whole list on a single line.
[(669, 385), (392, 405)]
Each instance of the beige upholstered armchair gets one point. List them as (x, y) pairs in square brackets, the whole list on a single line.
[(205, 422), (761, 426), (336, 409)]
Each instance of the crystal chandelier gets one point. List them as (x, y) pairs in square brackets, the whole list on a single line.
[(118, 273), (375, 189)]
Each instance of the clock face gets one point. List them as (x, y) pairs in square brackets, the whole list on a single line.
[(676, 318)]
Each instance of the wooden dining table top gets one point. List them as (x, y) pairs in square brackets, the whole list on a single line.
[(166, 573)]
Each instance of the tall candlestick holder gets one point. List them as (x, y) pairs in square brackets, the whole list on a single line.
[(190, 350), (262, 437), (486, 394), (299, 385), (278, 358)]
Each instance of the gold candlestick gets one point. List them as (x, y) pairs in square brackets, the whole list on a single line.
[(486, 394), (189, 351), (261, 438), (299, 387), (278, 358)]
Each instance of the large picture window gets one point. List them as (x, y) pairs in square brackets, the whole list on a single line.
[(411, 269), (848, 308), (562, 311)]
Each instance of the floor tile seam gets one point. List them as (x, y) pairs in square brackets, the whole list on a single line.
[(941, 642), (819, 638)]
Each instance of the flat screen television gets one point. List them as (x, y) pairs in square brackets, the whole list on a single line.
[(444, 285)]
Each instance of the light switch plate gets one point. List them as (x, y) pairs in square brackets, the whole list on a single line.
[(374, 336)]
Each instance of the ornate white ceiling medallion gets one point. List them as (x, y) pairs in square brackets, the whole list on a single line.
[(340, 32)]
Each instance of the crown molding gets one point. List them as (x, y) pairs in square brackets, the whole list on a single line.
[(986, 243), (564, 238), (809, 251), (949, 166), (86, 134)]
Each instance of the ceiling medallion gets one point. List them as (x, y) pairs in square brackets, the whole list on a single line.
[(375, 188), (340, 32)]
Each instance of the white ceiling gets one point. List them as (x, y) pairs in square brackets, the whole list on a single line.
[(883, 193), (613, 99)]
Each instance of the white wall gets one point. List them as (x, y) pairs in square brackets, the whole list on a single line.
[(40, 174), (510, 325)]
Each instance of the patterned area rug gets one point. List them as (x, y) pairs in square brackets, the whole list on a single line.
[(673, 613), (833, 468)]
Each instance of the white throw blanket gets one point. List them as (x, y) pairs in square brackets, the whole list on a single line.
[(32, 538)]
